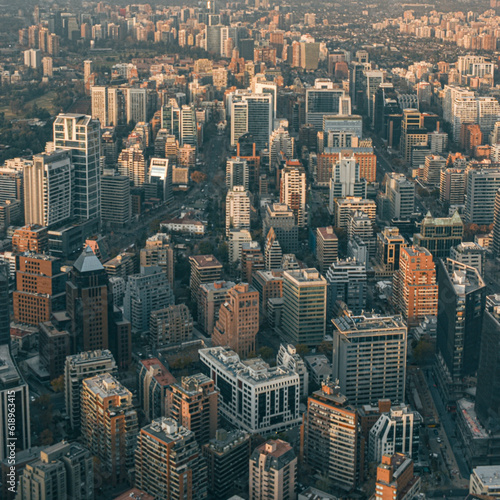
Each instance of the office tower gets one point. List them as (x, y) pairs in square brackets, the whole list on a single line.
[(99, 106), (360, 227), (484, 481), (168, 462), (33, 58), (341, 130), (87, 303), (280, 142), (438, 235), (81, 135), (238, 321), (304, 307), (269, 284), (237, 209), (345, 180), (488, 113), (470, 138), (4, 311), (434, 164), (438, 142), (146, 292), (64, 470), (273, 254), (159, 251), (116, 207), (321, 100), (288, 358), (109, 425), (396, 431), (293, 188), (374, 78), (211, 297), (469, 253), (133, 164), (14, 392), (47, 189), (188, 129), (389, 245), (347, 287), (160, 173), (12, 184), (236, 173), (482, 186), (327, 247), (496, 225), (330, 442), (193, 404), (452, 186), (252, 113), (136, 105), (171, 325), (464, 110), (461, 303), (109, 146), (412, 132), (369, 358), (254, 396), (53, 346), (273, 471), (252, 260), (282, 219), (79, 367), (39, 288), (488, 375), (343, 207), (227, 458), (153, 379), (415, 290), (204, 269), (396, 479)]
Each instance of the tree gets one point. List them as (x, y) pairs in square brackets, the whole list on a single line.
[(266, 352), (198, 176), (302, 350), (58, 384), (46, 437)]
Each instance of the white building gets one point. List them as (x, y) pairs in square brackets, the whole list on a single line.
[(237, 209), (237, 173), (345, 179), (323, 99), (485, 480), (395, 432), (236, 239), (254, 397), (288, 357)]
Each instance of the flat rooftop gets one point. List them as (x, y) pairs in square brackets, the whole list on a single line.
[(372, 323), (205, 261)]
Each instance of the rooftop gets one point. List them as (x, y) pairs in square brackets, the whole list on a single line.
[(368, 323), (327, 233), (467, 410), (488, 474), (162, 376), (166, 430), (88, 262), (10, 376), (205, 261), (105, 386)]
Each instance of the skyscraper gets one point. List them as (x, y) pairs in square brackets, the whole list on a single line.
[(81, 135), (327, 247), (48, 198), (88, 303), (168, 462), (237, 209), (304, 307), (401, 196), (321, 100), (482, 186), (369, 358), (346, 180), (170, 325), (238, 321), (293, 189), (204, 269), (159, 251), (415, 290)]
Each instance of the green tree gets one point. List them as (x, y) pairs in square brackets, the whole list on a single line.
[(302, 350), (266, 352), (58, 384)]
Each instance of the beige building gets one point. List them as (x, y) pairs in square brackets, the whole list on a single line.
[(342, 208), (159, 252), (273, 471), (211, 297), (204, 269), (171, 325), (327, 247), (237, 209), (293, 190)]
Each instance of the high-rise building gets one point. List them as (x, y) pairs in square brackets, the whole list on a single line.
[(39, 288), (87, 303), (170, 325), (304, 307), (237, 173), (412, 132), (168, 462), (116, 206), (227, 458), (4, 311), (434, 164), (81, 135), (253, 396), (273, 471), (64, 470), (327, 247), (369, 358), (452, 186), (238, 321), (153, 379), (54, 346), (461, 303), (280, 142), (211, 297), (159, 251), (346, 180), (389, 245), (15, 430), (48, 189), (469, 253), (273, 254), (415, 290), (193, 403), (330, 443), (161, 174), (237, 209), (496, 225), (321, 100), (438, 235), (396, 479), (281, 218), (30, 238), (204, 269), (133, 164), (109, 426), (269, 284), (400, 193), (79, 367), (482, 186), (347, 287), (289, 358), (293, 189), (146, 292), (343, 207), (396, 431)]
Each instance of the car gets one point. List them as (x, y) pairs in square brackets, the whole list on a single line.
[(436, 432), (439, 440)]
